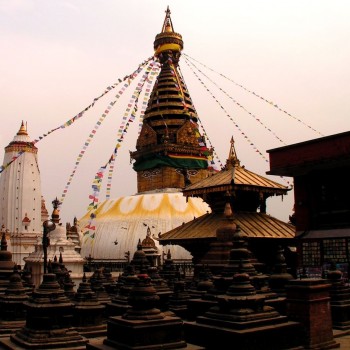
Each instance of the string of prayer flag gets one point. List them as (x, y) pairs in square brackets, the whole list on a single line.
[(256, 95), (123, 128), (230, 117), (235, 101), (75, 118), (90, 137)]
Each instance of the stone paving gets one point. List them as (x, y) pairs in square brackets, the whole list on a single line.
[(342, 338)]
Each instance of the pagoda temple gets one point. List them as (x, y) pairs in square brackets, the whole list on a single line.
[(246, 193)]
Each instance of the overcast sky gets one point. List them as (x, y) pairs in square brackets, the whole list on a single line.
[(58, 55)]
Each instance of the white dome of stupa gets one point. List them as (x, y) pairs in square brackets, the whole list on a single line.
[(121, 222)]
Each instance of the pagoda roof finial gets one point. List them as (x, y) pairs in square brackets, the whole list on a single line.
[(168, 24), (23, 129), (232, 159), (56, 213)]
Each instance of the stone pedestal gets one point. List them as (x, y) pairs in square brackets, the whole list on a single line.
[(308, 302)]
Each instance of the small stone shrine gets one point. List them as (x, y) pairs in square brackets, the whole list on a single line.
[(48, 321), (168, 271), (242, 320), (150, 249), (179, 299), (73, 234), (13, 312), (97, 282), (340, 299), (119, 300), (88, 314), (219, 251), (280, 276), (119, 303), (58, 244), (162, 289), (143, 326), (139, 260)]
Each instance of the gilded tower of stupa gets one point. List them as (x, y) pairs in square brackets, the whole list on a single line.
[(170, 152)]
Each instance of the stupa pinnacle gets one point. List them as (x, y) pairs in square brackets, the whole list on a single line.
[(170, 152)]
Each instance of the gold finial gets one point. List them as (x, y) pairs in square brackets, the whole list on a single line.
[(56, 213), (167, 25), (22, 130), (168, 40), (232, 159)]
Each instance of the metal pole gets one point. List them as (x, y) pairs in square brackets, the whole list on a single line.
[(48, 226)]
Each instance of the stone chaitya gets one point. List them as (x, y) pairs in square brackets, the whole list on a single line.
[(73, 234), (143, 326), (48, 321), (242, 319), (340, 299), (13, 312), (58, 245), (162, 289), (168, 271), (119, 302), (88, 315)]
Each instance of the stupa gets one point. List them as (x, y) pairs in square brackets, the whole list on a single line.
[(170, 153), (13, 312), (242, 319), (22, 209), (143, 326)]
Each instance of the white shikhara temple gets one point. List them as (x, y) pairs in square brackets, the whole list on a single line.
[(22, 209)]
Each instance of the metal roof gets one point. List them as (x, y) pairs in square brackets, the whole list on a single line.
[(237, 176), (253, 224)]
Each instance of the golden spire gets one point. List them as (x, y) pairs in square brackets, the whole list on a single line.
[(168, 43), (168, 24), (23, 129), (232, 159)]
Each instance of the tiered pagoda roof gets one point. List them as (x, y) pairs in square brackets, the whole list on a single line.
[(246, 192)]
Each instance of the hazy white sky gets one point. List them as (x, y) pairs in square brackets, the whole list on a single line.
[(58, 55)]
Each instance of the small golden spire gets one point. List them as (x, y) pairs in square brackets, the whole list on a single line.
[(232, 159), (55, 213), (167, 25), (22, 130), (168, 40)]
